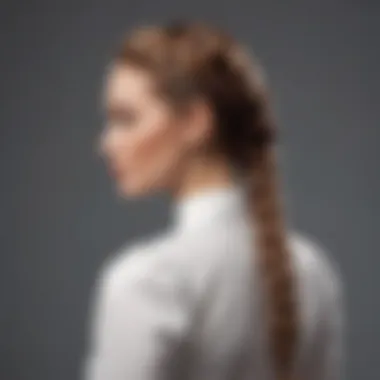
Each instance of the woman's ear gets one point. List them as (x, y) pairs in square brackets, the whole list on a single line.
[(198, 124)]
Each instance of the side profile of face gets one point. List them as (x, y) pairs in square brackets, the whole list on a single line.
[(145, 144)]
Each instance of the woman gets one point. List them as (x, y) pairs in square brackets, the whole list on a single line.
[(227, 292)]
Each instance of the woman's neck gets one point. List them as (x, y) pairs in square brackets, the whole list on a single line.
[(202, 176)]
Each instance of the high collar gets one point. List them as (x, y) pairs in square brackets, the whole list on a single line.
[(207, 205)]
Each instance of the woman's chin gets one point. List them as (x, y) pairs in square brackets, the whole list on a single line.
[(130, 190)]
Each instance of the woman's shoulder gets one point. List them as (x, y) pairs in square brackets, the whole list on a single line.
[(156, 258), (166, 262), (317, 265)]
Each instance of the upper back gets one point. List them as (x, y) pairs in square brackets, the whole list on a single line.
[(212, 268), (229, 320)]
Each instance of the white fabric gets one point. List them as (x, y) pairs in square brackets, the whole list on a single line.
[(186, 304)]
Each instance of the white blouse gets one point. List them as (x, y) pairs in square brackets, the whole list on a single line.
[(185, 305)]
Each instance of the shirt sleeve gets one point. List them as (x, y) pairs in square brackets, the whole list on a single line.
[(139, 320)]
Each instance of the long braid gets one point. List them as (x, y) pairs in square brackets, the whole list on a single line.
[(274, 258), (275, 264)]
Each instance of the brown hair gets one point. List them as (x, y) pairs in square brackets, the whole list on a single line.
[(191, 60)]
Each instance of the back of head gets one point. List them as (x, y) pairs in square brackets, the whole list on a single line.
[(190, 61)]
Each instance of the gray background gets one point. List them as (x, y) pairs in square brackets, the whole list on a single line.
[(58, 213)]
